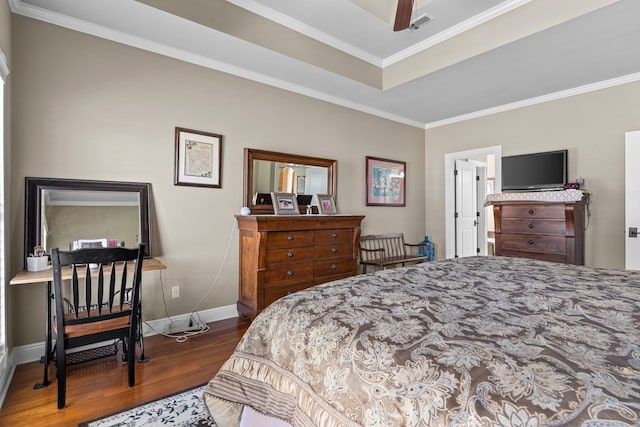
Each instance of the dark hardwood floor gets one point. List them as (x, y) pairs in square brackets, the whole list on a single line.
[(99, 387)]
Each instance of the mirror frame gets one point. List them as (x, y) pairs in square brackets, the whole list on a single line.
[(251, 154), (33, 200)]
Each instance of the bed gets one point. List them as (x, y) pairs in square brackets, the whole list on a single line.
[(481, 341)]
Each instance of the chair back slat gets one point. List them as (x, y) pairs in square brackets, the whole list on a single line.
[(112, 286), (123, 283), (87, 291), (100, 294), (75, 290)]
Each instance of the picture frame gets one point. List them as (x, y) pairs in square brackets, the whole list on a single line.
[(386, 182), (326, 204), (198, 158), (285, 204)]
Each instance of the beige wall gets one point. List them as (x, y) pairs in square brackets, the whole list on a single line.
[(591, 126), (93, 109)]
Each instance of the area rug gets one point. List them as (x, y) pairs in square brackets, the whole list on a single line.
[(185, 409)]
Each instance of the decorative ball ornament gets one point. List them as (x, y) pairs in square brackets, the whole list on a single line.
[(245, 211)]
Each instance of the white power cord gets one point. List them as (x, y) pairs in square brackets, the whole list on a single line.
[(203, 327)]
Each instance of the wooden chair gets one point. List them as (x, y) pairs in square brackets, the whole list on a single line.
[(96, 312), (384, 250)]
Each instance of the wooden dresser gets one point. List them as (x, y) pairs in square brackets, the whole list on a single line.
[(548, 231), (284, 254)]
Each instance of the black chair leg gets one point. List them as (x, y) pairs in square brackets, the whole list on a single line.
[(61, 373), (131, 365)]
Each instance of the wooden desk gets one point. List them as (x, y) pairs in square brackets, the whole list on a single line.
[(26, 277), (46, 276)]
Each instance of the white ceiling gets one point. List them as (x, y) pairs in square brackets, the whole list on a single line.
[(474, 57)]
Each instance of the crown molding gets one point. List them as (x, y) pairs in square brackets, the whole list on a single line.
[(580, 90)]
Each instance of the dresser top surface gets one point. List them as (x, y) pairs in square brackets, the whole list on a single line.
[(285, 222)]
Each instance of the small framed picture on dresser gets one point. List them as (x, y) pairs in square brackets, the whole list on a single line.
[(285, 204), (326, 204)]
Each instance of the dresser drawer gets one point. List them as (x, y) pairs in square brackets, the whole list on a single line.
[(335, 235), (533, 243), (288, 273), (543, 226), (533, 211), (332, 267), (289, 238), (277, 255), (337, 250), (276, 292)]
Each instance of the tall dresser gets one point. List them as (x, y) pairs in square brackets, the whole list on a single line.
[(548, 231), (282, 254)]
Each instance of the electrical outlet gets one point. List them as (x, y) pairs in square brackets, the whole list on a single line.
[(175, 291)]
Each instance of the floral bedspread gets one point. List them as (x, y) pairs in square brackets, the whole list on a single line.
[(482, 341)]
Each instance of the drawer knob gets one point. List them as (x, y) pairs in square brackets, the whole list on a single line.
[(333, 266), (531, 241), (290, 254), (290, 273), (334, 235), (334, 250), (289, 237), (530, 225), (531, 211)]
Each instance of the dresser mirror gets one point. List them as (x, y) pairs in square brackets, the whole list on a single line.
[(269, 171), (71, 213)]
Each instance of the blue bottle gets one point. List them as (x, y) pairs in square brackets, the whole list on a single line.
[(430, 249)]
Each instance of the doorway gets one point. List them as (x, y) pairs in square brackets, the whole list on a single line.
[(632, 201), (455, 231)]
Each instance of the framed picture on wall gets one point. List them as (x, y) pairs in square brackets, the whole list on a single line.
[(386, 182), (326, 204), (285, 204), (198, 158)]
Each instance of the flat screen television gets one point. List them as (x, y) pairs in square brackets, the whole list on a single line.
[(535, 171)]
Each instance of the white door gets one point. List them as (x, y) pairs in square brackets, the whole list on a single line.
[(466, 209), (632, 200), (494, 152)]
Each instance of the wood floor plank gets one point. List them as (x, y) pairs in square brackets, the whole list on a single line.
[(99, 387)]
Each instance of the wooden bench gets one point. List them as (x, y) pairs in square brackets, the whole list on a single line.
[(384, 250)]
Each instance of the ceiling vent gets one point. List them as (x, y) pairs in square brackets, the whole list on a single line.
[(420, 21)]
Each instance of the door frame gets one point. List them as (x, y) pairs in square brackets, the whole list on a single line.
[(631, 199), (449, 188)]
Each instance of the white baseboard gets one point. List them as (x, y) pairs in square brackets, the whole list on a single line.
[(5, 380), (33, 352)]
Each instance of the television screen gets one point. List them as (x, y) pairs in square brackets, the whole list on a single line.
[(535, 172)]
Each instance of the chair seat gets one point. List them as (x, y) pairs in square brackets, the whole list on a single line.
[(82, 329)]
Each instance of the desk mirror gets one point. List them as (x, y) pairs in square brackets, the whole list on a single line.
[(269, 171), (71, 213)]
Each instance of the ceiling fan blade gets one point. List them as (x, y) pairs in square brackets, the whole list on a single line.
[(403, 15)]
